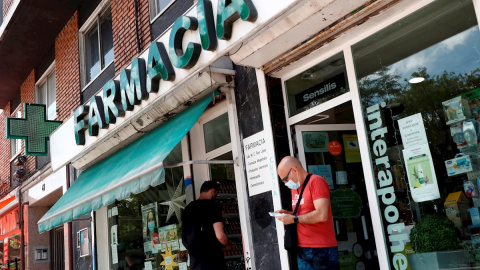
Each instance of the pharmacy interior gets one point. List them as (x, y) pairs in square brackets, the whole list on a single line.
[(389, 114)]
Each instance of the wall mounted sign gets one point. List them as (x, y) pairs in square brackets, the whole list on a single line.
[(144, 77), (259, 163), (320, 90), (35, 129), (394, 230)]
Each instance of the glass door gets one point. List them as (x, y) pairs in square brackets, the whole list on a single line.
[(332, 151), (211, 140)]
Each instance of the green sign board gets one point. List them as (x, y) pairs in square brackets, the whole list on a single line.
[(345, 203), (35, 129)]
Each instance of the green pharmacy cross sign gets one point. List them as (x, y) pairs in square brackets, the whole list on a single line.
[(35, 129)]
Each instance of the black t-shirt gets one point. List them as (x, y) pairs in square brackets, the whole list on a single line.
[(205, 213)]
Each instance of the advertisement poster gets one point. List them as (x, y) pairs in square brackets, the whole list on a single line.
[(315, 141), (114, 254), (114, 235), (84, 242), (168, 237), (324, 171), (352, 151), (421, 174), (260, 163), (150, 229), (412, 131), (341, 177)]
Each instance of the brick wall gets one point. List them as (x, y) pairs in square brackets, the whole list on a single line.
[(124, 35), (6, 6), (27, 94), (4, 151), (67, 68)]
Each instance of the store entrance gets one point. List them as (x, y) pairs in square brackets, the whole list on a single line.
[(332, 151)]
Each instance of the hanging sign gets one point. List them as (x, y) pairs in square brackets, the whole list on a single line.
[(35, 129)]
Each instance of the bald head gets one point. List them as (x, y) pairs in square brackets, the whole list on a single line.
[(288, 163)]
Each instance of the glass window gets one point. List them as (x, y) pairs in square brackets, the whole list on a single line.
[(316, 85), (16, 144), (142, 225), (46, 94), (158, 6), (14, 252), (408, 73), (216, 133), (98, 45)]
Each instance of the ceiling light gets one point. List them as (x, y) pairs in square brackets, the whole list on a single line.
[(320, 118), (416, 80)]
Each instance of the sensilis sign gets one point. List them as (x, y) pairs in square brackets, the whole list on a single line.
[(144, 77)]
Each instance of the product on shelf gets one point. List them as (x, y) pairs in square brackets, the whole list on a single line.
[(470, 188), (458, 165), (456, 206), (456, 109)]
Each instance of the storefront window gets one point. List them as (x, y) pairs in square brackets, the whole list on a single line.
[(316, 85), (419, 82), (14, 252), (216, 133), (145, 228)]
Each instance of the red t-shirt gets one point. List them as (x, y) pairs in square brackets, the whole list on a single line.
[(317, 235)]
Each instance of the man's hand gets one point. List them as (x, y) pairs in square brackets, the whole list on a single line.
[(286, 219), (282, 211)]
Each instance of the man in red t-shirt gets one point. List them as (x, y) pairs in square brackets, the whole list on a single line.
[(317, 245)]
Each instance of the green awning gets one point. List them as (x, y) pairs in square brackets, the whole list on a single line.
[(132, 169)]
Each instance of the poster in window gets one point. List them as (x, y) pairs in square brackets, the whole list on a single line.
[(315, 141), (150, 229), (421, 173), (352, 151), (168, 237), (83, 242), (324, 171)]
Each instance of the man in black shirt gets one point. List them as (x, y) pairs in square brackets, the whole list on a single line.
[(202, 230)]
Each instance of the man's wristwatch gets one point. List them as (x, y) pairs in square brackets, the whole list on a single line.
[(295, 219)]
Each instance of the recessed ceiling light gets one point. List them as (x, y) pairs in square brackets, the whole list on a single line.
[(416, 80)]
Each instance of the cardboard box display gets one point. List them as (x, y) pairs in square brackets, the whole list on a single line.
[(456, 109), (459, 165), (456, 207)]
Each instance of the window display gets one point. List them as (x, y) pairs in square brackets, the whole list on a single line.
[(144, 228), (418, 88)]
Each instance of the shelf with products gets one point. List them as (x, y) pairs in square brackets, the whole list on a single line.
[(227, 196), (238, 256)]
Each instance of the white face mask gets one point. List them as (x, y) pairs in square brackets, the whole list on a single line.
[(292, 185)]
